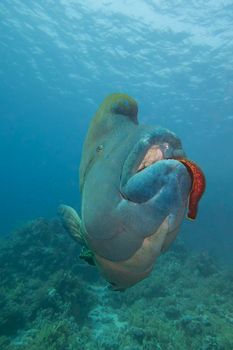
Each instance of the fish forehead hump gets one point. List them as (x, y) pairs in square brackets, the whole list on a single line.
[(116, 113)]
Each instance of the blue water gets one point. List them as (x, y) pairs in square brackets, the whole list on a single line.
[(60, 58)]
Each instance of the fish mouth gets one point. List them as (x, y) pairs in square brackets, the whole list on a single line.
[(165, 151), (157, 162), (152, 155), (150, 166), (156, 146)]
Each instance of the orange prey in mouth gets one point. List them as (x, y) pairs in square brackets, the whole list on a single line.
[(198, 186)]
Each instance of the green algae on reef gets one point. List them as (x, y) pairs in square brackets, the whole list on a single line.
[(49, 299)]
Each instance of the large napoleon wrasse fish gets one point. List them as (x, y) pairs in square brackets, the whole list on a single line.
[(136, 187)]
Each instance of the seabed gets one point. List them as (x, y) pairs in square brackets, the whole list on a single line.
[(50, 299)]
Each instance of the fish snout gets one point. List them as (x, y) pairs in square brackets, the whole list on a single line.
[(150, 169), (165, 178)]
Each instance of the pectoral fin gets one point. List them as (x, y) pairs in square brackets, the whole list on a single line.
[(71, 221)]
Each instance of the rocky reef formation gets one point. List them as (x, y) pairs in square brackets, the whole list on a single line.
[(49, 299)]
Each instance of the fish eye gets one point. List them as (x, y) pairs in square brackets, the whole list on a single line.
[(99, 148)]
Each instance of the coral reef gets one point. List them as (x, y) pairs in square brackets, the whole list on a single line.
[(50, 299)]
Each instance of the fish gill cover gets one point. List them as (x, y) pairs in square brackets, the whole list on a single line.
[(59, 59)]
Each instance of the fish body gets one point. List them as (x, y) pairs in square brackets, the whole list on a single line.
[(135, 192)]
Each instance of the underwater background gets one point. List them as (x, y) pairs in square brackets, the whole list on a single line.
[(59, 60)]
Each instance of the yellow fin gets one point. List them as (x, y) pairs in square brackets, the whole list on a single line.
[(71, 221)]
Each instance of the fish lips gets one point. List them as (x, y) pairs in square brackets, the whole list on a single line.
[(151, 165)]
